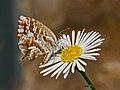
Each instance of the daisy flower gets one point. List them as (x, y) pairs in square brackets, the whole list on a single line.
[(74, 51)]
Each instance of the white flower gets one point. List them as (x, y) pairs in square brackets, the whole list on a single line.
[(74, 51)]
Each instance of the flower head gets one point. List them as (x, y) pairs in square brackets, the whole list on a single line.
[(74, 51)]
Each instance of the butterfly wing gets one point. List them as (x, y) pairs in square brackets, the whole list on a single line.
[(35, 39)]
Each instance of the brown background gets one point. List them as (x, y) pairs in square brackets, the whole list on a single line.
[(96, 15)]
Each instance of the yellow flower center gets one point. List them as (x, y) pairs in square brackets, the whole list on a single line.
[(71, 53)]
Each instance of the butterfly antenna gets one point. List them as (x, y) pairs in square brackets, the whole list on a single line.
[(64, 30)]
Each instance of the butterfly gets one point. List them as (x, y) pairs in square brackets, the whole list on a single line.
[(35, 39)]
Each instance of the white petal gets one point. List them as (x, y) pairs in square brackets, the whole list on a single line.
[(68, 37), (91, 40), (94, 43), (73, 66), (73, 37), (92, 54), (94, 46), (51, 70), (88, 57), (81, 61), (79, 39), (78, 34), (86, 37), (51, 67), (82, 38), (59, 69), (94, 34), (50, 62), (80, 67), (68, 67), (66, 74), (93, 50)]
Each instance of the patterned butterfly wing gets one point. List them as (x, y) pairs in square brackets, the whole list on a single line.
[(35, 39)]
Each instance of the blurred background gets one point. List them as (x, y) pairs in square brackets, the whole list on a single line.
[(96, 15)]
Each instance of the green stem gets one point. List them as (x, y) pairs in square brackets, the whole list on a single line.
[(87, 80)]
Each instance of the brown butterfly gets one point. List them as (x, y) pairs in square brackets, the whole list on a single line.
[(35, 39)]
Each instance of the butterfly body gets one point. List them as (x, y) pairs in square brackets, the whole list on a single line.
[(35, 39)]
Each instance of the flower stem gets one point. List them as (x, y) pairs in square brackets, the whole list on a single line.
[(87, 80)]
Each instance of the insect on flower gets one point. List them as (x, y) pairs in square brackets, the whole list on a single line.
[(76, 48), (35, 39)]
